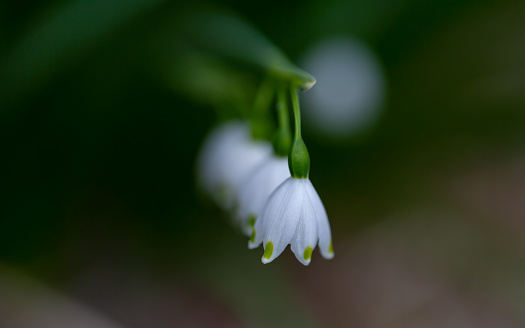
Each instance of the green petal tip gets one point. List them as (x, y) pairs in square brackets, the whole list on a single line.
[(307, 255), (268, 250)]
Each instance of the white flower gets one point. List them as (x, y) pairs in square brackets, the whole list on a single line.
[(256, 189), (295, 215), (227, 155)]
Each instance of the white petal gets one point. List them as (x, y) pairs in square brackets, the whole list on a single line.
[(210, 159), (244, 157), (323, 226), (227, 155), (257, 188), (280, 218), (305, 238)]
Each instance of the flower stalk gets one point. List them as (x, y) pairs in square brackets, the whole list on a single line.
[(298, 159), (283, 135), (260, 117)]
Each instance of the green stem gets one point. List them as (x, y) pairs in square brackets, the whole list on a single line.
[(296, 112), (298, 159), (283, 135), (282, 110), (263, 98), (260, 116)]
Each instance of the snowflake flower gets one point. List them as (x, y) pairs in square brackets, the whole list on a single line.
[(257, 188), (227, 156), (295, 215)]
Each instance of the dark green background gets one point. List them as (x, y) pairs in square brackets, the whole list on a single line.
[(98, 150)]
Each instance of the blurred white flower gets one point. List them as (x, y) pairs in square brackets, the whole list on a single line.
[(295, 215), (350, 91), (256, 189), (227, 156)]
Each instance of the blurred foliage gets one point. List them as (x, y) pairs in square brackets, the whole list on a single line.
[(99, 133)]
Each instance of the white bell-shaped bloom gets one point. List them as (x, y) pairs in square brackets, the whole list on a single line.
[(295, 215), (256, 189), (227, 156)]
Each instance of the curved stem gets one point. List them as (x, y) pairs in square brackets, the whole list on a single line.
[(233, 38), (283, 135)]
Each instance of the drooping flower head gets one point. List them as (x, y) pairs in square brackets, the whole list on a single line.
[(294, 213), (269, 175), (227, 156)]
